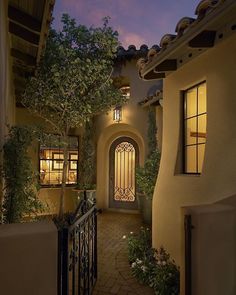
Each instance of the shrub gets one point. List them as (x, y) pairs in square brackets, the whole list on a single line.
[(164, 277), (146, 176), (139, 245), (152, 267)]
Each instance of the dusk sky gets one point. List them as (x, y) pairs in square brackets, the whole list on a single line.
[(137, 21)]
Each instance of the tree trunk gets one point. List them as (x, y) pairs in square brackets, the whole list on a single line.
[(64, 174)]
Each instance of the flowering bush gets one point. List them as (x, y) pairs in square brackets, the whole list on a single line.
[(164, 277), (141, 269), (152, 267), (139, 245)]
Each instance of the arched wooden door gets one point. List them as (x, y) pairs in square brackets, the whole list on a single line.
[(124, 157)]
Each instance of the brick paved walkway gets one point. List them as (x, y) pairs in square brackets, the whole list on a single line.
[(114, 274)]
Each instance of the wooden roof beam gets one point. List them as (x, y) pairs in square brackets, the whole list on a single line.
[(23, 33), (205, 39), (150, 102), (153, 76), (167, 65), (24, 19), (26, 58)]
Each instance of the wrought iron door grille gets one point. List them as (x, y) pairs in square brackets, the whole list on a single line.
[(124, 188)]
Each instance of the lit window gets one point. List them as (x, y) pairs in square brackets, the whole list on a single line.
[(195, 117), (125, 91), (51, 161)]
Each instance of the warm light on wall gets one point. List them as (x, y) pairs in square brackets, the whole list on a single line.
[(117, 114)]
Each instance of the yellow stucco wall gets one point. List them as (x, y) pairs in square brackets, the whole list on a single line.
[(7, 100), (28, 255), (217, 181)]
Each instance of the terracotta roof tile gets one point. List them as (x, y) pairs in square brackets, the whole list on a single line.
[(133, 53), (184, 25), (166, 40), (205, 6)]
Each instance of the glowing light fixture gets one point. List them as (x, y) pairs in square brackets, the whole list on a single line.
[(117, 114)]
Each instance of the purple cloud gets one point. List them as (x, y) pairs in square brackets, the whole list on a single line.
[(136, 21)]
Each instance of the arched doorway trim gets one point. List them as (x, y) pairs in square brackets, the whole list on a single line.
[(105, 140), (123, 160)]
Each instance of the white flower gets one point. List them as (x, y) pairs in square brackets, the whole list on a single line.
[(163, 262), (143, 268), (124, 237), (131, 232), (133, 264), (158, 262), (138, 261)]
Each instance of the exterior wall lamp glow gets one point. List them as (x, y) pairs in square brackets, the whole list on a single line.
[(117, 114)]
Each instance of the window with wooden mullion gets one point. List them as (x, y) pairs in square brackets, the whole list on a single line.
[(195, 116), (51, 161)]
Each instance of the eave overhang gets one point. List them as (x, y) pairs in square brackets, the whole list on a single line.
[(28, 27), (153, 100), (200, 35)]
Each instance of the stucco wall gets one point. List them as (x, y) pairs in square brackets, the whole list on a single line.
[(132, 114), (7, 105), (217, 181), (134, 124), (51, 197), (213, 263), (7, 102), (28, 258)]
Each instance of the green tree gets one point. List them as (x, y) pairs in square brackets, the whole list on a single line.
[(73, 81), (87, 158)]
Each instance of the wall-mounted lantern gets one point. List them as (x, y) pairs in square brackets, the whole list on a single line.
[(117, 114)]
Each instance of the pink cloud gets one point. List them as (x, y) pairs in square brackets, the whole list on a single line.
[(130, 38)]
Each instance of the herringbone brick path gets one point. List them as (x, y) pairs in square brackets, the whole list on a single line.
[(114, 273)]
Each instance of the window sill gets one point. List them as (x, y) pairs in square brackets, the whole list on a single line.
[(57, 186), (188, 174)]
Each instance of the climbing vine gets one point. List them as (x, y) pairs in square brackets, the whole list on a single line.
[(146, 176), (21, 185), (152, 131)]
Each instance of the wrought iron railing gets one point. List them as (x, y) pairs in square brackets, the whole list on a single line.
[(77, 261)]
